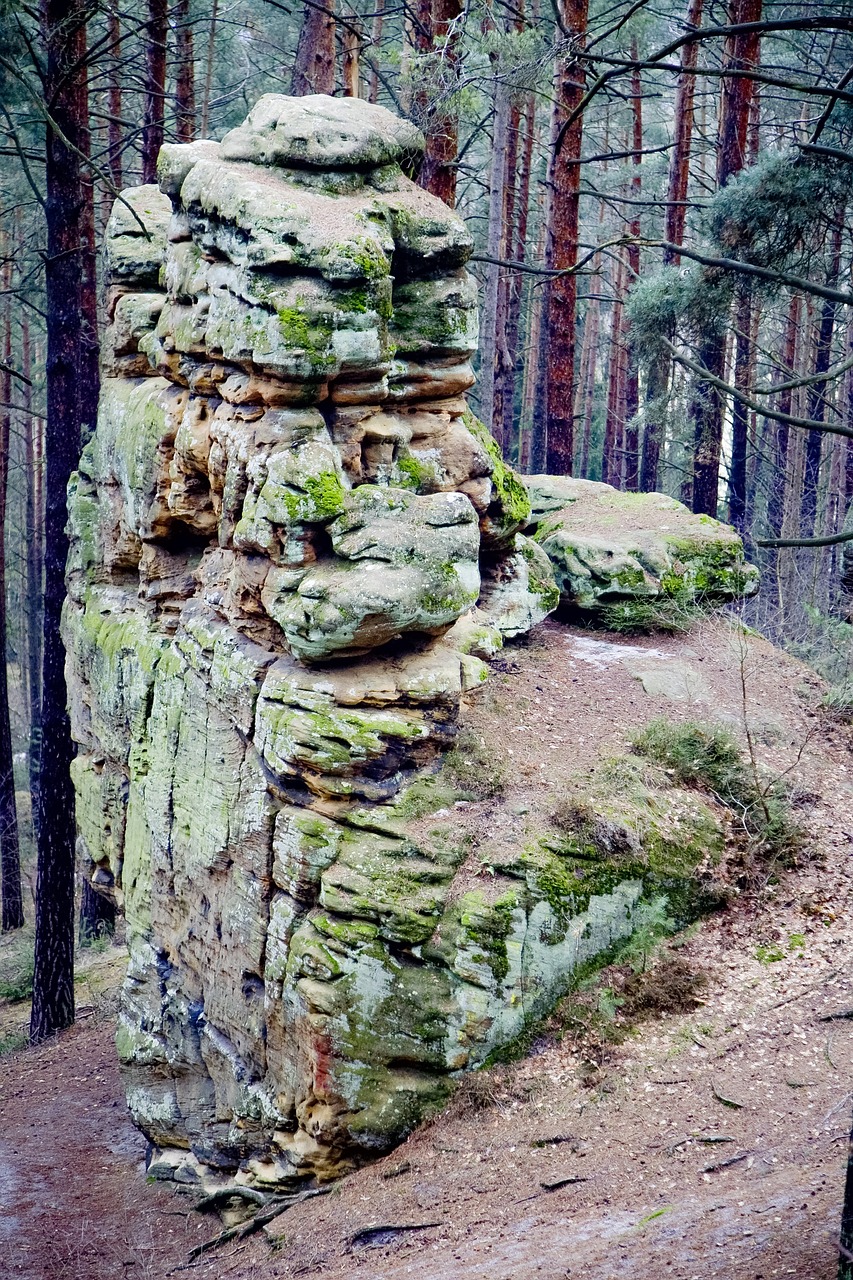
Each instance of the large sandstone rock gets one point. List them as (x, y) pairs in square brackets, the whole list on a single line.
[(634, 558), (279, 534)]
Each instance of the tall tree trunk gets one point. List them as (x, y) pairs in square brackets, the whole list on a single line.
[(817, 391), (679, 164), (33, 525), (786, 367), (437, 35), (706, 410), (90, 375), (504, 365), (845, 1260), (185, 76), (375, 41), (314, 71), (156, 30), (515, 283), (611, 456), (12, 915), (97, 913), (494, 243), (659, 372), (210, 62), (537, 374), (115, 129), (631, 383), (565, 175), (350, 60), (63, 36), (740, 414)]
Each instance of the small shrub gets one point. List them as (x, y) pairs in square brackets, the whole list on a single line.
[(671, 986), (838, 701), (709, 757), (12, 1041), (16, 975), (660, 613), (474, 768)]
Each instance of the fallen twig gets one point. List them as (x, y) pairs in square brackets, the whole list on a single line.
[(367, 1234), (561, 1182), (727, 1102), (725, 1164)]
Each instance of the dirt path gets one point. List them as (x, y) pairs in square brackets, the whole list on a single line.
[(711, 1144)]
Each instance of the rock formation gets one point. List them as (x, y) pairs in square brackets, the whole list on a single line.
[(291, 546)]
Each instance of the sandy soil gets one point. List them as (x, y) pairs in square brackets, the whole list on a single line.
[(710, 1144)]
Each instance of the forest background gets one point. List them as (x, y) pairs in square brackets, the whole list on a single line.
[(660, 198)]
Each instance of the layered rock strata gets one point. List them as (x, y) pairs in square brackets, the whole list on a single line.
[(285, 508)]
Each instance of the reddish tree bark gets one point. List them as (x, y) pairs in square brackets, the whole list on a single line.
[(562, 248), (350, 60), (375, 41), (156, 30), (706, 410), (314, 71), (437, 34), (679, 165), (185, 75)]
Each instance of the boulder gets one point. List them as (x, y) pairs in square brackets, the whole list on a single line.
[(632, 557)]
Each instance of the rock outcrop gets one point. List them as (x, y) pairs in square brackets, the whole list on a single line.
[(633, 559), (284, 511), (291, 546)]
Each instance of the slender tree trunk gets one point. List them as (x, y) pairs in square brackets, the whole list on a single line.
[(740, 414), (156, 30), (314, 71), (611, 456), (540, 341), (494, 242), (659, 372), (437, 34), (10, 855), (33, 524), (210, 62), (185, 77), (565, 175), (90, 375), (375, 41), (350, 61), (504, 370), (845, 1253), (115, 131), (817, 392), (631, 382), (63, 36), (679, 165), (515, 284), (706, 411)]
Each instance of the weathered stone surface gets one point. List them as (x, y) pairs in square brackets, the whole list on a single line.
[(285, 509), (622, 555), (322, 133)]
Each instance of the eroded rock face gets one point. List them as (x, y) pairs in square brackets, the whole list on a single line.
[(279, 532)]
